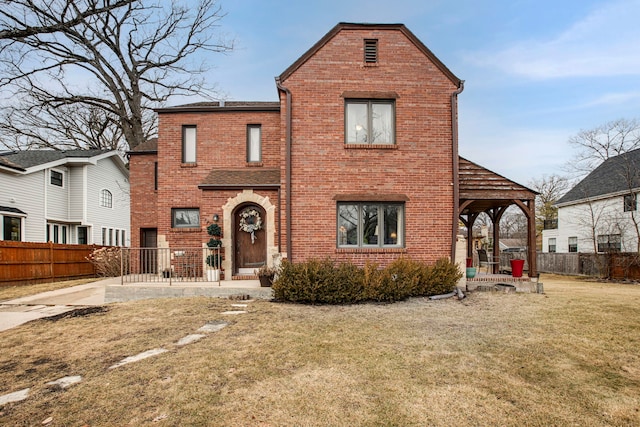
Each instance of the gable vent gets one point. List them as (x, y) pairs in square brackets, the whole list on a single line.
[(370, 51)]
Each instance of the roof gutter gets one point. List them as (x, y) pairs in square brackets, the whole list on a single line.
[(288, 144), (456, 166)]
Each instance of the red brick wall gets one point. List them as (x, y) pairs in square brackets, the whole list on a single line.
[(144, 199), (221, 143), (420, 167)]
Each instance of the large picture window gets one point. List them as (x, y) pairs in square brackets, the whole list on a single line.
[(370, 224), (370, 122), (185, 218), (188, 144)]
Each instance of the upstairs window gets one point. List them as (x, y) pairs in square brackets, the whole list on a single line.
[(630, 203), (370, 51), (254, 143), (188, 144), (370, 122), (106, 199), (56, 178)]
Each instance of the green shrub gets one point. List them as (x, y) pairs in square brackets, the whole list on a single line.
[(325, 282), (440, 278)]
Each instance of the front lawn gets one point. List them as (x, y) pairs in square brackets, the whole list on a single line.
[(569, 357)]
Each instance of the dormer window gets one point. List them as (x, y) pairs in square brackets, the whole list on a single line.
[(370, 51)]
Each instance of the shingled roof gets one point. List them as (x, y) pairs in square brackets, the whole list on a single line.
[(23, 160), (615, 175), (241, 178)]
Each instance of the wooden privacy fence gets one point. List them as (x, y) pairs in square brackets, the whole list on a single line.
[(612, 265), (25, 262)]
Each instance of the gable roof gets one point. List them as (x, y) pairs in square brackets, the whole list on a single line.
[(616, 175), (358, 26), (32, 160)]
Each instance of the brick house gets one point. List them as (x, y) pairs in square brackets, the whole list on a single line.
[(357, 161)]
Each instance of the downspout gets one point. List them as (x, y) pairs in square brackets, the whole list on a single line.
[(288, 137), (455, 162)]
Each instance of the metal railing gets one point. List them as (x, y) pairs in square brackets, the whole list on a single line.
[(169, 265)]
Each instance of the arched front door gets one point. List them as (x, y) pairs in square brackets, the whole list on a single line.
[(250, 238)]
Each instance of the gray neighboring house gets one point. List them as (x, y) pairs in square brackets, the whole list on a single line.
[(75, 196), (600, 213)]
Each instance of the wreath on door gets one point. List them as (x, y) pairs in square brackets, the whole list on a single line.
[(250, 222)]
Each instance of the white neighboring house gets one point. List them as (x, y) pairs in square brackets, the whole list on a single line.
[(76, 196), (600, 213)]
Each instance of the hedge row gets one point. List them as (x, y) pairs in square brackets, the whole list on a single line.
[(325, 282)]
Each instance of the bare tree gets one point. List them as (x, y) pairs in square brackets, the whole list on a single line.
[(602, 142), (550, 189), (90, 79)]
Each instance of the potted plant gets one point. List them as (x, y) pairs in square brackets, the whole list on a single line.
[(266, 275), (214, 259)]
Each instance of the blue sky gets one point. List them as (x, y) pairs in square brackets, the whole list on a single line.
[(536, 72)]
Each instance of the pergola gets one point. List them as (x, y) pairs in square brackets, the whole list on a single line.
[(481, 190)]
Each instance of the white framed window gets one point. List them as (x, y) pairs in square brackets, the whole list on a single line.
[(552, 244), (369, 121), (573, 244), (185, 218), (254, 143), (370, 224), (104, 236), (189, 143), (106, 199), (57, 233), (56, 178), (83, 235), (609, 242)]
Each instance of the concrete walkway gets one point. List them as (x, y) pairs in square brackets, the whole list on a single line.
[(22, 310)]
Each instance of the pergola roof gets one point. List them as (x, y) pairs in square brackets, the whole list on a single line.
[(486, 189)]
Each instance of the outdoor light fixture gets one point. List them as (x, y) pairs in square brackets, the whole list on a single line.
[(215, 217)]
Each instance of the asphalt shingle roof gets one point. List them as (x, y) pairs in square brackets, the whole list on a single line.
[(30, 158), (615, 175), (242, 178)]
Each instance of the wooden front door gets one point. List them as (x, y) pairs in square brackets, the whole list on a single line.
[(250, 251), (148, 250)]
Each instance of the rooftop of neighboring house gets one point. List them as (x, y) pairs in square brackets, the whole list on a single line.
[(22, 161), (615, 176)]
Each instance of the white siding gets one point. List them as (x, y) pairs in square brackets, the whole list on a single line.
[(27, 191), (606, 216), (107, 175), (77, 198), (58, 197)]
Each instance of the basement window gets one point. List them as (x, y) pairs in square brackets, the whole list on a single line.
[(370, 51)]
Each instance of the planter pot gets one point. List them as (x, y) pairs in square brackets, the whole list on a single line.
[(213, 275), (265, 281), (471, 272)]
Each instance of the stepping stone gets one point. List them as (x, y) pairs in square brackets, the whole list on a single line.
[(16, 396), (65, 382), (141, 356), (213, 326), (239, 305), (189, 339), (234, 312)]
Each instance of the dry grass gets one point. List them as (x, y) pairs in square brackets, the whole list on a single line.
[(569, 357), (19, 291)]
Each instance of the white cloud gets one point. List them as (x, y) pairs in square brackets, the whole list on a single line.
[(604, 43)]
